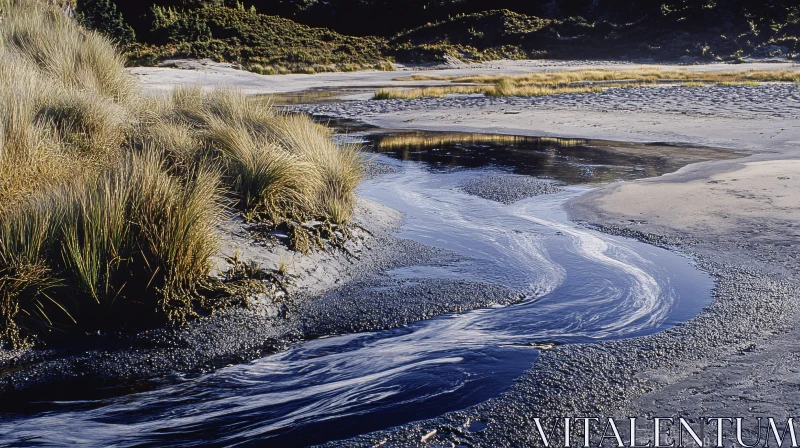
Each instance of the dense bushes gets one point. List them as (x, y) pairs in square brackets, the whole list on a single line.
[(102, 15), (389, 17), (244, 36), (273, 37), (710, 33)]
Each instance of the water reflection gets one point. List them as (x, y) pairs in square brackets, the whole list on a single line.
[(572, 161)]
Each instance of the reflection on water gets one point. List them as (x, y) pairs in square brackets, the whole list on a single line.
[(573, 161)]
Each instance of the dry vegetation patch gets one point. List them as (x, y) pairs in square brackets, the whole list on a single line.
[(581, 81), (110, 201)]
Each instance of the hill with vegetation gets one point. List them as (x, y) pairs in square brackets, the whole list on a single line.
[(311, 35)]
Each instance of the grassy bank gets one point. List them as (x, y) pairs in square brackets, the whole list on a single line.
[(110, 201), (581, 81), (412, 140)]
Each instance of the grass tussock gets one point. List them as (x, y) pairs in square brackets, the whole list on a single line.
[(109, 200), (127, 246), (433, 140), (582, 81), (280, 166)]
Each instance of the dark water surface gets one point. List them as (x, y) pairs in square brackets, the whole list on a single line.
[(573, 161), (581, 286)]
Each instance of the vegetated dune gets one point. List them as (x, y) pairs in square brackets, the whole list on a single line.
[(110, 200), (263, 44)]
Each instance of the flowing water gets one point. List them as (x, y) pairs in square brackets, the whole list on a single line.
[(581, 286)]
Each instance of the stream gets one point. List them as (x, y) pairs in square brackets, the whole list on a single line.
[(581, 286)]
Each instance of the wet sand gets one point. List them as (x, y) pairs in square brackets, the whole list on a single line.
[(737, 218)]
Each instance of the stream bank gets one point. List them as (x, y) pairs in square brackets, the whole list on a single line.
[(751, 273), (576, 286)]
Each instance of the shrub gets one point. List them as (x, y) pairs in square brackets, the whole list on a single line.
[(102, 15)]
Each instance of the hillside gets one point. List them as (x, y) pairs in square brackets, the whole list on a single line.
[(506, 34), (268, 43), (284, 36)]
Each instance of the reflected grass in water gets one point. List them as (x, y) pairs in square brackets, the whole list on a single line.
[(572, 161)]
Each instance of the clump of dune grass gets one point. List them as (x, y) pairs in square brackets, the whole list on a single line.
[(279, 166), (110, 200), (581, 81), (64, 99), (748, 83), (63, 52), (125, 247)]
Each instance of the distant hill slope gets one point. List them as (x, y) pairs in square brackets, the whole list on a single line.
[(389, 17), (228, 30), (259, 41), (503, 33)]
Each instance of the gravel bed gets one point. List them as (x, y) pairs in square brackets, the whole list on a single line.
[(508, 188), (774, 99)]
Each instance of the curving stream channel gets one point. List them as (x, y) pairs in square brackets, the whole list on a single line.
[(580, 285)]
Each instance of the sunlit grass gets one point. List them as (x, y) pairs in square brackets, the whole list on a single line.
[(126, 246), (581, 81), (502, 89), (433, 140), (110, 200), (640, 74)]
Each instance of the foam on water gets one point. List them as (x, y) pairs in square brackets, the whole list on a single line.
[(582, 286)]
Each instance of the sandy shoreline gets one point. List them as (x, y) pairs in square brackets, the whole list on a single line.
[(737, 218), (322, 286), (210, 74)]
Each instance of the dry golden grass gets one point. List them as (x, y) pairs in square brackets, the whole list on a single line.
[(429, 140), (109, 200), (336, 170), (641, 74), (113, 248), (505, 90), (582, 81), (282, 166)]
